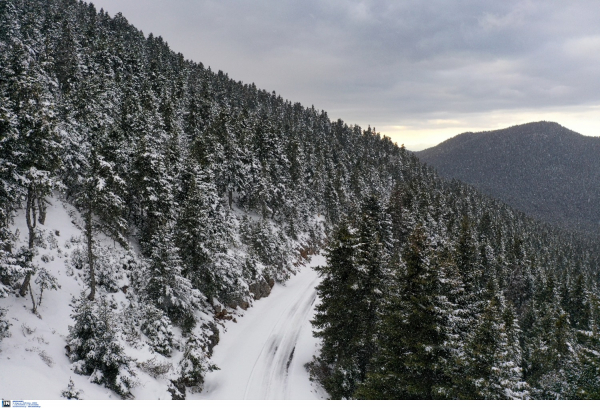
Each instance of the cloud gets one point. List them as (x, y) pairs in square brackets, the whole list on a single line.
[(389, 63)]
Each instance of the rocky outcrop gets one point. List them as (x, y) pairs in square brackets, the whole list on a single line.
[(261, 288)]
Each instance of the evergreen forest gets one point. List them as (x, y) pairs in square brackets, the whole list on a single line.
[(200, 192)]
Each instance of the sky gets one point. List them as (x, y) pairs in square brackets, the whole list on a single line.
[(418, 71)]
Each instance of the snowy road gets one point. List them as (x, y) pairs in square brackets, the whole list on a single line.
[(262, 356)]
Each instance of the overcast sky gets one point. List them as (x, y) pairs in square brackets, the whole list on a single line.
[(419, 71)]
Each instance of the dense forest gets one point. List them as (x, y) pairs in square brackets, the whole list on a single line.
[(199, 192), (439, 292)]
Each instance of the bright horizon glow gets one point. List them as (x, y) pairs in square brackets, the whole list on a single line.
[(418, 73), (420, 136)]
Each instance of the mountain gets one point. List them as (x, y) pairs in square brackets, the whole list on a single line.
[(541, 168)]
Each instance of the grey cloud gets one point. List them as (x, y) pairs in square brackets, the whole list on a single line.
[(378, 61)]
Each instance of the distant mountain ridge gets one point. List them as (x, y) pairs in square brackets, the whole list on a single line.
[(540, 168)]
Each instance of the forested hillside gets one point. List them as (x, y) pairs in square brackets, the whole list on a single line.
[(210, 189), (194, 193), (542, 168), (438, 292)]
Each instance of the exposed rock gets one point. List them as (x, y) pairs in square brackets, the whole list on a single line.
[(261, 289), (236, 302), (223, 315)]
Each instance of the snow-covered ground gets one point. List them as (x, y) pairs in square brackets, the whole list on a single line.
[(260, 356), (33, 362), (263, 355)]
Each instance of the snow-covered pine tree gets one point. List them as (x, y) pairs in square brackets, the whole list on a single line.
[(4, 324), (157, 328), (152, 198), (267, 246), (352, 293), (98, 196), (194, 365), (490, 368), (71, 393), (335, 319), (549, 355), (576, 303), (226, 155), (93, 346), (584, 377), (372, 262), (203, 230), (413, 339), (10, 270), (167, 289), (31, 145), (10, 191), (92, 171)]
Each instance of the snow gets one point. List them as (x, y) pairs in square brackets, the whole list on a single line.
[(33, 360), (263, 355)]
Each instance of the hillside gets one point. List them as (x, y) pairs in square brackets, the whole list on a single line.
[(542, 169), (146, 202), (35, 352)]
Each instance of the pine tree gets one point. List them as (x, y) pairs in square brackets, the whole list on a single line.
[(166, 287), (549, 355), (194, 365), (99, 198), (152, 201), (577, 304), (584, 377), (335, 319), (372, 260), (491, 364), (4, 324), (10, 268), (157, 328), (31, 148), (413, 357), (152, 189), (10, 191), (94, 349), (71, 393), (203, 233)]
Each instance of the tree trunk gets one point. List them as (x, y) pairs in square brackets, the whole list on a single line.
[(88, 234), (230, 199), (31, 224), (34, 308), (42, 208)]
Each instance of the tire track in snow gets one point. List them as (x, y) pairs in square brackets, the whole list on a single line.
[(262, 356), (269, 376)]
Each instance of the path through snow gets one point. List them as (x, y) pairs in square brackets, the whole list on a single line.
[(262, 356)]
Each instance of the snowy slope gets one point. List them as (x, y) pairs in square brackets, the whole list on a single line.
[(33, 360), (262, 356)]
